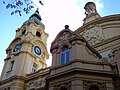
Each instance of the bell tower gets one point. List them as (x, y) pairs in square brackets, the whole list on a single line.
[(27, 53)]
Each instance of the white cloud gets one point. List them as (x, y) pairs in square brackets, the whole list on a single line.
[(57, 13)]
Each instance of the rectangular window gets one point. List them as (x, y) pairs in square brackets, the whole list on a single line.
[(63, 59), (12, 64), (65, 56)]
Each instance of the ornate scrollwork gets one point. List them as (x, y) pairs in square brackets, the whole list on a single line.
[(87, 84), (35, 84), (94, 35)]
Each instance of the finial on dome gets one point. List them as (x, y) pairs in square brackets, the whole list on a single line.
[(37, 11), (90, 8), (66, 26)]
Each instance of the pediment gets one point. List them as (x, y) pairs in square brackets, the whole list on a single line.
[(62, 37), (69, 38)]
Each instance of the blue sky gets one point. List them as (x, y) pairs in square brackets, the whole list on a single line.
[(55, 14)]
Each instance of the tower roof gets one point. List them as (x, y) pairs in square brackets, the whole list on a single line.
[(36, 14), (36, 18)]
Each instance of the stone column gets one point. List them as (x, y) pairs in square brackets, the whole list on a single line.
[(17, 84), (58, 62)]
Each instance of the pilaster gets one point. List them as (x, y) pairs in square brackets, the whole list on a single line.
[(77, 85)]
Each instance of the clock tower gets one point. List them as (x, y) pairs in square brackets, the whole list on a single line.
[(27, 53)]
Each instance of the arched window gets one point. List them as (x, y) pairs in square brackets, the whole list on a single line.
[(23, 32), (34, 68), (63, 88), (38, 34), (94, 87), (65, 56)]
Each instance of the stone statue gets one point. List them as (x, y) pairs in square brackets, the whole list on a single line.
[(90, 8)]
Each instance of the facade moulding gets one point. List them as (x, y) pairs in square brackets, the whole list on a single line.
[(15, 77), (99, 21), (107, 44)]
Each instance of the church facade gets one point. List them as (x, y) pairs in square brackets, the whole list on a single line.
[(85, 59)]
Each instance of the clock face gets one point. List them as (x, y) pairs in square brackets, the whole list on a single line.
[(37, 50), (17, 48)]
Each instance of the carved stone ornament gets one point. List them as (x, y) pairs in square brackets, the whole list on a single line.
[(94, 35), (28, 37), (63, 37), (111, 57), (87, 84), (36, 84), (66, 85)]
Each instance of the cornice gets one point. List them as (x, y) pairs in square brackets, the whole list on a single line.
[(31, 22), (15, 77), (110, 25), (103, 62), (99, 21), (39, 73), (114, 41), (77, 70)]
